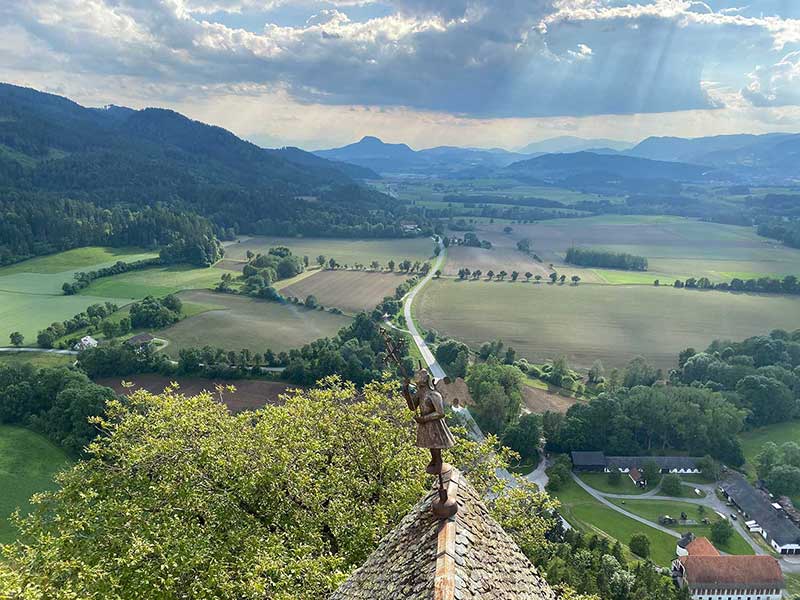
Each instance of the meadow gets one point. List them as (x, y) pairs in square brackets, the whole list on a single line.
[(236, 322), (28, 462), (157, 281), (589, 322), (587, 514), (653, 509), (30, 291), (40, 360), (753, 441), (344, 251), (350, 291), (676, 247)]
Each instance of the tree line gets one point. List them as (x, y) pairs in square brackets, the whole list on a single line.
[(764, 285), (84, 278), (93, 316), (592, 257)]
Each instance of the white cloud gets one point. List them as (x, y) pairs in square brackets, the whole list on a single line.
[(776, 85)]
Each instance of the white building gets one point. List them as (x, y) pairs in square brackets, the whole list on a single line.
[(86, 342)]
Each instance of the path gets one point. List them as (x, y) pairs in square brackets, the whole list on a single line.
[(603, 500), (42, 350), (408, 301)]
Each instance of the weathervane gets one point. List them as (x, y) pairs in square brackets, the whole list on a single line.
[(432, 431)]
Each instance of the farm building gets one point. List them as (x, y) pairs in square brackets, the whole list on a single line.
[(467, 556), (711, 576), (139, 340), (764, 517), (599, 462), (85, 343)]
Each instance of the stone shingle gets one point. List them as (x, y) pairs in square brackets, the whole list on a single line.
[(485, 563)]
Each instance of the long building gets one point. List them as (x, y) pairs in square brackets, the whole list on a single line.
[(599, 462), (710, 576), (762, 516)]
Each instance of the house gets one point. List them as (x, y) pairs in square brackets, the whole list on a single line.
[(85, 343), (764, 517), (467, 556), (599, 462), (711, 576), (140, 340)]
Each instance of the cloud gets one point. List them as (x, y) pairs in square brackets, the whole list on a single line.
[(474, 58), (776, 85)]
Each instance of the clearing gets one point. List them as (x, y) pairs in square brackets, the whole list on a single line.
[(235, 322), (158, 281), (39, 360), (589, 322), (250, 394), (351, 291), (344, 251), (28, 462)]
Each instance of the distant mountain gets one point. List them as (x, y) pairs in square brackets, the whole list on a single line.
[(557, 167), (773, 153), (570, 144), (372, 153)]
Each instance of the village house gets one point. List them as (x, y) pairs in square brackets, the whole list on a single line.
[(85, 343), (140, 340), (711, 576), (762, 515)]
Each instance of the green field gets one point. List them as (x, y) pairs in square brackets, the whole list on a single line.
[(345, 251), (675, 247), (30, 291), (589, 515), (36, 359), (753, 441), (653, 509), (589, 322), (158, 281), (28, 462), (599, 481), (242, 322)]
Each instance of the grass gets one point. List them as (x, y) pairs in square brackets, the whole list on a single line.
[(589, 322), (653, 509), (28, 462), (236, 322), (753, 441), (345, 251), (37, 359), (158, 281), (792, 584), (599, 481), (77, 259), (589, 515)]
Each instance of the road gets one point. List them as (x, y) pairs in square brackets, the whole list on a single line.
[(408, 301), (41, 350)]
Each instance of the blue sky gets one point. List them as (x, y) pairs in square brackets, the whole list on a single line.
[(317, 73)]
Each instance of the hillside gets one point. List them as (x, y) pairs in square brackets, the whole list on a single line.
[(54, 151)]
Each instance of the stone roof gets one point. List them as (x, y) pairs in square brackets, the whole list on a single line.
[(466, 557), (588, 459), (732, 572)]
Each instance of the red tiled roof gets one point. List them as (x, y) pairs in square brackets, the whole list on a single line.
[(701, 547), (635, 474), (732, 571)]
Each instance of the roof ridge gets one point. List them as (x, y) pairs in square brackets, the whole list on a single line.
[(444, 582)]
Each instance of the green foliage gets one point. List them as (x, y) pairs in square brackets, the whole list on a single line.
[(614, 477), (453, 356), (55, 402), (91, 317), (497, 392), (591, 257), (784, 480), (671, 485), (650, 472), (721, 532), (152, 313), (524, 435), (16, 338), (639, 372), (640, 545)]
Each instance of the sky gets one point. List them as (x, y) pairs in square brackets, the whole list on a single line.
[(483, 73)]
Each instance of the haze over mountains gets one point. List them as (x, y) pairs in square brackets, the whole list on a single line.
[(741, 158)]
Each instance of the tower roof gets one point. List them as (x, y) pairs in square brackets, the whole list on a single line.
[(466, 557)]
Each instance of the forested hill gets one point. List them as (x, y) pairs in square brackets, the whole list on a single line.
[(58, 158)]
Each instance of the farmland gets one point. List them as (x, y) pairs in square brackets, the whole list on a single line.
[(36, 359), (497, 259), (250, 394), (675, 247), (157, 281), (30, 291), (351, 291), (27, 464), (241, 322), (344, 251), (588, 322)]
